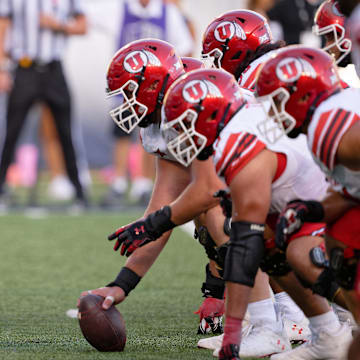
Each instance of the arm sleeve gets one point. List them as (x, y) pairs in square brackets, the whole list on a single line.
[(178, 31)]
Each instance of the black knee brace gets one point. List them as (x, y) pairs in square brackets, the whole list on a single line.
[(227, 226), (213, 287), (245, 251), (326, 285), (344, 267), (206, 241), (275, 264)]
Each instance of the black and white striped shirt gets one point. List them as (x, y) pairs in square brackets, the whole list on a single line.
[(27, 39)]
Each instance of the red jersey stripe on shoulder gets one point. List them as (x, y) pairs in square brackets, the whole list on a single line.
[(336, 124), (319, 130), (350, 120), (249, 83), (239, 162), (229, 148), (344, 84)]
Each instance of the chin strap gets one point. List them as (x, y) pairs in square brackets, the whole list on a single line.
[(161, 95), (140, 78)]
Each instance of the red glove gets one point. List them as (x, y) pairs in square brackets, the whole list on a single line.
[(210, 314)]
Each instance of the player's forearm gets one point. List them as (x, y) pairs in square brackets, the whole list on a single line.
[(143, 258), (195, 200), (4, 25), (335, 205), (77, 26), (198, 197)]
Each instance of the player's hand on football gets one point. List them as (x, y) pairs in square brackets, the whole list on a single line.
[(112, 295), (210, 314), (131, 237)]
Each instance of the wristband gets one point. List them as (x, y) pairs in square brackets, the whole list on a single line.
[(159, 222), (126, 279)]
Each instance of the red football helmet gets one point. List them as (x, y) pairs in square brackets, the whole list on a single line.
[(230, 37), (295, 81), (196, 108), (191, 64), (141, 72), (329, 20)]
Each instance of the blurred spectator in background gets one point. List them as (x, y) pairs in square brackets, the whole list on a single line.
[(60, 187), (39, 30), (296, 19), (262, 7), (144, 19)]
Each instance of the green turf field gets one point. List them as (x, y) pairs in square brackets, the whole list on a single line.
[(45, 263)]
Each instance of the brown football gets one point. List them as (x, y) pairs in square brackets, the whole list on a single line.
[(103, 329)]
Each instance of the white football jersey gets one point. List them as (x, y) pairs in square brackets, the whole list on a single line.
[(354, 26), (241, 141), (247, 78), (330, 121), (154, 143)]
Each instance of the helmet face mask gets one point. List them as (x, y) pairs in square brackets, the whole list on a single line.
[(183, 141), (278, 121), (130, 113), (295, 82), (196, 109), (212, 59), (139, 75), (339, 45), (330, 22)]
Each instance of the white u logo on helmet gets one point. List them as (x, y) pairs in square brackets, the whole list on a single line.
[(135, 61), (194, 91), (290, 69)]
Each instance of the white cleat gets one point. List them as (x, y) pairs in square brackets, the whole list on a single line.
[(322, 346), (298, 332), (211, 343), (214, 342), (261, 342)]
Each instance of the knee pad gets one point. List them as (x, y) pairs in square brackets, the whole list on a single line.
[(275, 264), (213, 286), (206, 241), (343, 263), (245, 251), (325, 285)]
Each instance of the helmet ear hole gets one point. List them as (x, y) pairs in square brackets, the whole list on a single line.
[(304, 98), (237, 55), (309, 56), (154, 85)]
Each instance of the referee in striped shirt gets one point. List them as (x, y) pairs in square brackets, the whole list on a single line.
[(34, 47)]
